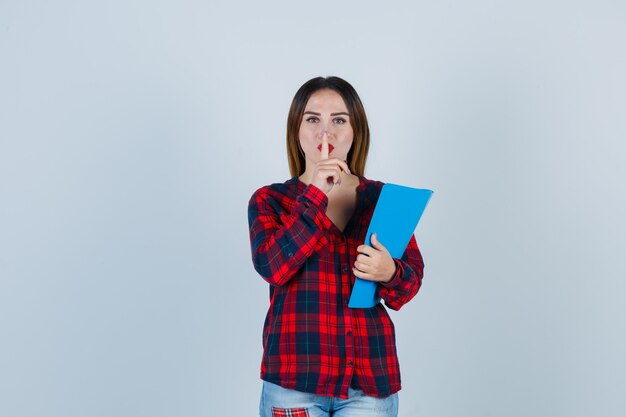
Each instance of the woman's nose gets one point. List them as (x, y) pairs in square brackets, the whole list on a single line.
[(325, 131)]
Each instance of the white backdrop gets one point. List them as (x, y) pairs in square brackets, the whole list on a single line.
[(132, 134)]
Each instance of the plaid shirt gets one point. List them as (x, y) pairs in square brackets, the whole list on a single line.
[(312, 340)]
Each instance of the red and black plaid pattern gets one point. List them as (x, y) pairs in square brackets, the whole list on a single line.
[(312, 340), (289, 412)]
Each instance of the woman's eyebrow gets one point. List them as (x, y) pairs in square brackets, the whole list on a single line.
[(332, 114)]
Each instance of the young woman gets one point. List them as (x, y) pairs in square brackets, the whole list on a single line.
[(322, 358)]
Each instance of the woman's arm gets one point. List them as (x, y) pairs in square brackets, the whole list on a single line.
[(407, 280), (281, 244)]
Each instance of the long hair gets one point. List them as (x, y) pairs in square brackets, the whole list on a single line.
[(357, 155)]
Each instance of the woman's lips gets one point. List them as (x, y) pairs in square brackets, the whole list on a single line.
[(330, 148)]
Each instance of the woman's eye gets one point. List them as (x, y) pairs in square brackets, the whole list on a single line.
[(340, 121), (312, 120)]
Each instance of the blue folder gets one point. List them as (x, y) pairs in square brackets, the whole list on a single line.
[(395, 218)]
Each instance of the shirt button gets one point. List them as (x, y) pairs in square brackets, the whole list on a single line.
[(349, 363), (345, 269), (349, 333), (290, 254)]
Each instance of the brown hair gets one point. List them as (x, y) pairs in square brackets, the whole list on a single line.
[(361, 141)]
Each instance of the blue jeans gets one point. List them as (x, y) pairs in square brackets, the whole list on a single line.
[(277, 401)]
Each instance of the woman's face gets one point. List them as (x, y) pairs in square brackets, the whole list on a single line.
[(325, 114)]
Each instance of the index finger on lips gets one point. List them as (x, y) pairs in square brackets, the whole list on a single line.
[(324, 147)]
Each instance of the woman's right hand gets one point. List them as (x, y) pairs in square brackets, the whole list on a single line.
[(327, 171)]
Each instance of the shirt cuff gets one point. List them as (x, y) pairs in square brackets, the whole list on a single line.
[(319, 200), (315, 195), (397, 277)]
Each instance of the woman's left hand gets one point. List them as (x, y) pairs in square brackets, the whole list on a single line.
[(374, 263)]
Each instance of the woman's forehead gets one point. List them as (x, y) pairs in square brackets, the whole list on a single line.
[(326, 100)]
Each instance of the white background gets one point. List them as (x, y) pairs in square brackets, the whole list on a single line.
[(132, 134)]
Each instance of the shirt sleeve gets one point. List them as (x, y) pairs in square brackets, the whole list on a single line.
[(407, 280), (281, 242)]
